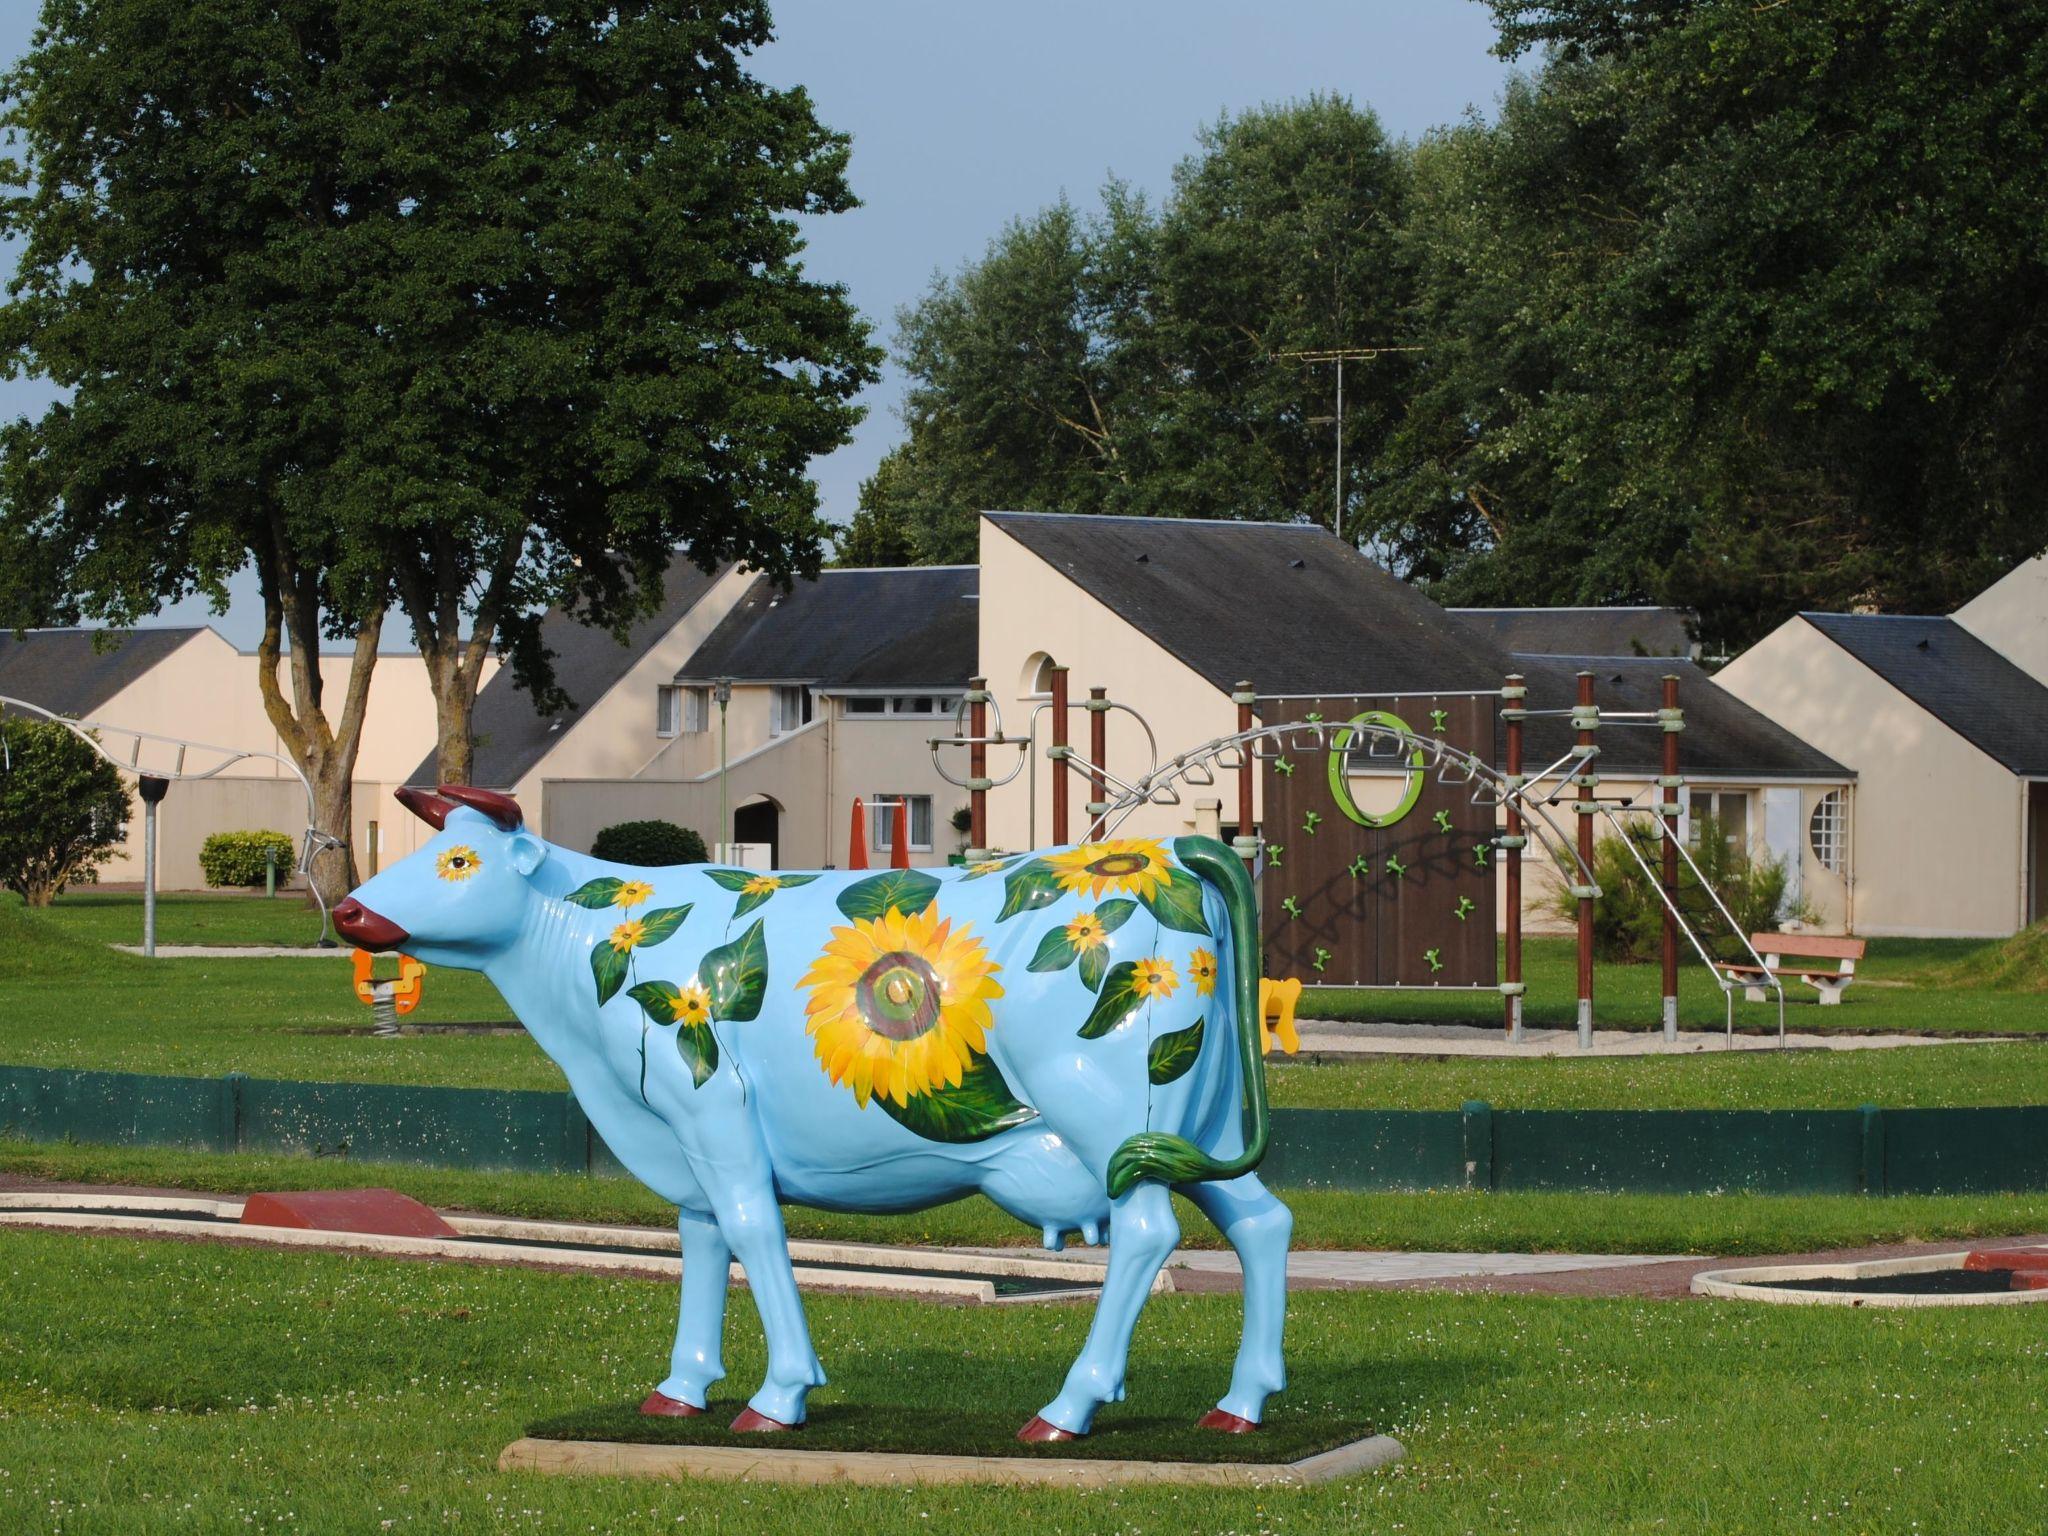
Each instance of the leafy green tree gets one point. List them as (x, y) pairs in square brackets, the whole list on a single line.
[(63, 810), (1741, 307), (467, 311), (1137, 360)]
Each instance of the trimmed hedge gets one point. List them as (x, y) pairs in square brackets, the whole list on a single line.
[(237, 858), (649, 844)]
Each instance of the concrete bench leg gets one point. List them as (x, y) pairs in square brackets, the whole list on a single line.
[(1831, 992), (1753, 995)]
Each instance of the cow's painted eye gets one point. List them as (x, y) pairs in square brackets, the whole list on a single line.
[(457, 863)]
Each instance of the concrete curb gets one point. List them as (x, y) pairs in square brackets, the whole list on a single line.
[(1754, 1284)]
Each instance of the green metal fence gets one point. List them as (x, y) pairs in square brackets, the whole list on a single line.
[(1657, 1151)]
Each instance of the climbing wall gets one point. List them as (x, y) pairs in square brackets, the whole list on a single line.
[(1408, 901)]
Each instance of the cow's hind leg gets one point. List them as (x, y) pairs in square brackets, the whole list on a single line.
[(752, 1224), (1142, 1235), (1258, 1227), (698, 1362)]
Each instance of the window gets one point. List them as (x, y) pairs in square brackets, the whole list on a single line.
[(882, 821), (696, 709), (909, 706), (1729, 809), (790, 710), (668, 710), (1824, 831)]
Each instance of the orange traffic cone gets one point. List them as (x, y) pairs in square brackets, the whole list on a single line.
[(857, 843)]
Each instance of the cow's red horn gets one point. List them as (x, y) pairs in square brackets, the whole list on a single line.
[(425, 804), (502, 809)]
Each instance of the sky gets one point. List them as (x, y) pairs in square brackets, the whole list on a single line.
[(965, 114)]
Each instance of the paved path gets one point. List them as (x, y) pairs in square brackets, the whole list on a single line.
[(237, 951), (1326, 1040)]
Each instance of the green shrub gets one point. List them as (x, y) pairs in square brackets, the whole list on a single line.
[(1628, 915), (649, 844), (239, 858), (63, 810)]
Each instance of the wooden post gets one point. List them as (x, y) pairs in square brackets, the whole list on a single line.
[(1670, 718), (1512, 712), (1586, 716), (1247, 841), (1061, 773), (977, 767), (1098, 754)]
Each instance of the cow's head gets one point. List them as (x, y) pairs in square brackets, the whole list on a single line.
[(462, 897)]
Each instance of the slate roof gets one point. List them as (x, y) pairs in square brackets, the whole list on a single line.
[(1583, 631), (1723, 737), (61, 670), (1288, 605), (511, 735), (1966, 685), (911, 627)]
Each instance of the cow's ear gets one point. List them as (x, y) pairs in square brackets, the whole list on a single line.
[(528, 852)]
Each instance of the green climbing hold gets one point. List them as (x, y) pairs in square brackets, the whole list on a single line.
[(1465, 908), (1360, 867), (1282, 765), (1395, 867), (1435, 957), (1443, 821), (1273, 852), (1308, 823), (1479, 856), (1439, 720), (1291, 907), (1321, 960), (1313, 715)]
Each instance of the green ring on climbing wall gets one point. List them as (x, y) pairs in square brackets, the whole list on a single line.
[(1341, 791)]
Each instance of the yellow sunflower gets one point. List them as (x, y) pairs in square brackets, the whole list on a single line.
[(692, 1006), (899, 1005), (457, 863), (761, 885), (1135, 865), (1155, 978), (631, 893), (1202, 971), (986, 866), (628, 934), (1086, 932)]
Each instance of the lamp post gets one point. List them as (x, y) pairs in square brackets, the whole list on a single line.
[(721, 690), (152, 789)]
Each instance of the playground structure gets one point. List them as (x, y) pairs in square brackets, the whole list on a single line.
[(187, 760), (1519, 803)]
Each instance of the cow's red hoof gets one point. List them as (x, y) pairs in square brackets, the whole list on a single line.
[(1223, 1420), (752, 1423), (1038, 1432), (660, 1405)]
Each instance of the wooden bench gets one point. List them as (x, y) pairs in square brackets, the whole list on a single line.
[(1778, 948)]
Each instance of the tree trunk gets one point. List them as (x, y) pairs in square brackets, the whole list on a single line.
[(454, 733), (333, 873), (433, 600)]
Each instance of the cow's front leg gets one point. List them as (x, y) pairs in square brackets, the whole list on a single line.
[(752, 1223), (698, 1363)]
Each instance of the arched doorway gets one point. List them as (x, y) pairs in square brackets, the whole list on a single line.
[(760, 821)]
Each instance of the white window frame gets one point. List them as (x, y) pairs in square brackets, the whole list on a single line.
[(668, 710), (881, 811), (938, 705), (784, 701), (1827, 830), (696, 711)]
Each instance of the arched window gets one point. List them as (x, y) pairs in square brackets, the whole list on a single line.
[(1036, 680), (1824, 831)]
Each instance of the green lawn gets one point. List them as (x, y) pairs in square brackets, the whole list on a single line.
[(165, 1387), (65, 1001), (1436, 1222), (183, 917)]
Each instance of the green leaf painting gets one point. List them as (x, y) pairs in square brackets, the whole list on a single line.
[(1172, 1055), (764, 886), (699, 1049), (979, 1106), (657, 999), (1116, 1003), (1178, 905), (731, 879), (608, 965), (661, 924), (909, 891), (736, 975), (597, 894), (986, 867), (1057, 950), (1027, 888)]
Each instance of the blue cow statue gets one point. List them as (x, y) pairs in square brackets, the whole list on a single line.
[(1073, 1033)]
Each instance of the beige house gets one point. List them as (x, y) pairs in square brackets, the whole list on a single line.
[(190, 684), (1946, 722), (1168, 616), (834, 689)]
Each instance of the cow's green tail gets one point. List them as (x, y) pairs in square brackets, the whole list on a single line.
[(1174, 1159)]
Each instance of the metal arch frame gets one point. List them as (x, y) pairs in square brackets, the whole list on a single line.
[(312, 845)]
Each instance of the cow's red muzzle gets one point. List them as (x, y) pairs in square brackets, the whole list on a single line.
[(366, 929)]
